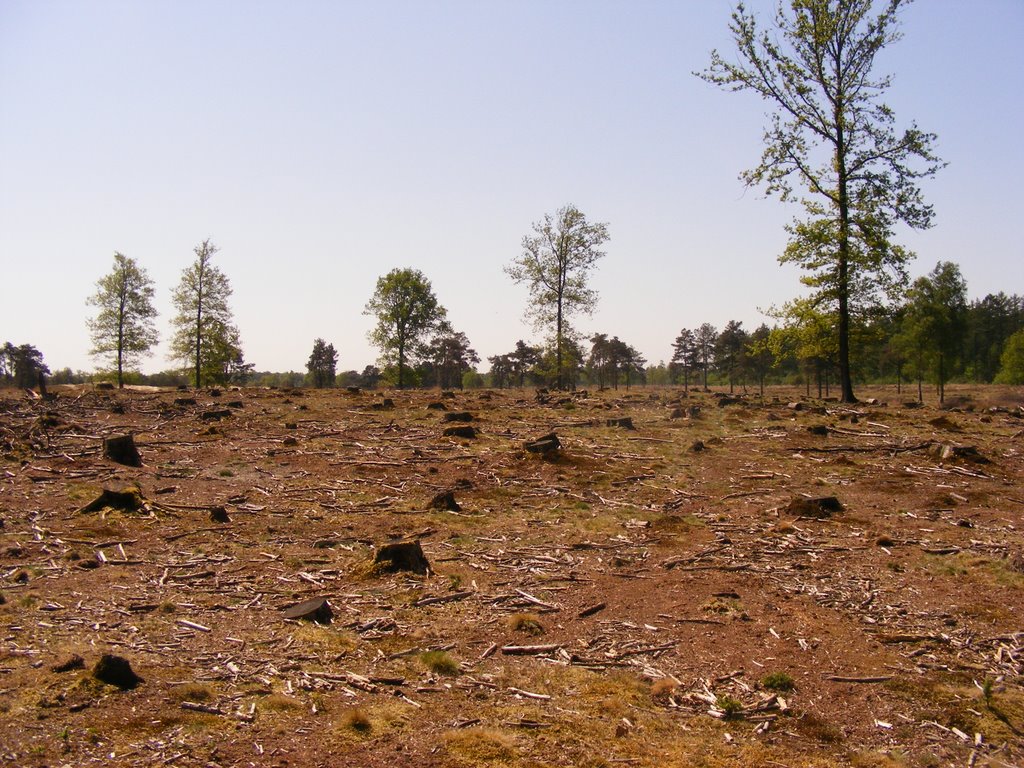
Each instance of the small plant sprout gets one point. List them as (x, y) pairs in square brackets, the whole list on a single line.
[(731, 708), (779, 682)]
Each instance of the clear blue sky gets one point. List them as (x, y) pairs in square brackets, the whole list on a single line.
[(320, 144)]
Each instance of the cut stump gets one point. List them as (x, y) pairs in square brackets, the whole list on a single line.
[(818, 507), (121, 449), (317, 610), (116, 671), (402, 556)]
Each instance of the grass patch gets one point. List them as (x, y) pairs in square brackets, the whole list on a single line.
[(439, 662), (985, 570), (480, 745), (725, 607), (194, 692), (818, 728), (527, 623), (279, 702), (356, 719)]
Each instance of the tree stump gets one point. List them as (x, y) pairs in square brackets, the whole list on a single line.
[(121, 448), (402, 556), (219, 515), (317, 610), (462, 416), (116, 671), (625, 422), (546, 445), (461, 431), (819, 507), (216, 415), (445, 501), (127, 499)]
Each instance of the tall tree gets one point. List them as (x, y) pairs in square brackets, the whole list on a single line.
[(407, 313), (123, 327), (322, 366), (600, 361), (524, 360), (758, 354), (936, 320), (683, 352), (730, 350), (704, 347), (556, 263), (831, 132), (205, 339), (22, 365), (450, 356), (501, 370)]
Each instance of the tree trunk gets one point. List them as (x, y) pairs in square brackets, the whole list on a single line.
[(401, 363), (843, 286), (942, 379), (120, 353)]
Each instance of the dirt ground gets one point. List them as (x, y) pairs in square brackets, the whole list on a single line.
[(776, 582)]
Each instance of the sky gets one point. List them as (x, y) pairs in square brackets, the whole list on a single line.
[(321, 144)]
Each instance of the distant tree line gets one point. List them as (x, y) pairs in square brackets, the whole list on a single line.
[(935, 335)]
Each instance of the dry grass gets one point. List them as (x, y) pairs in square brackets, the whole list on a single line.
[(474, 746), (527, 623)]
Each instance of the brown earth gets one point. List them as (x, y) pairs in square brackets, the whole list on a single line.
[(626, 600)]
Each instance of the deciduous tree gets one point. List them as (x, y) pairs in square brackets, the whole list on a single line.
[(206, 339), (935, 321), (450, 356), (1011, 370), (407, 312), (322, 365), (758, 354), (123, 328), (556, 263), (833, 135)]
